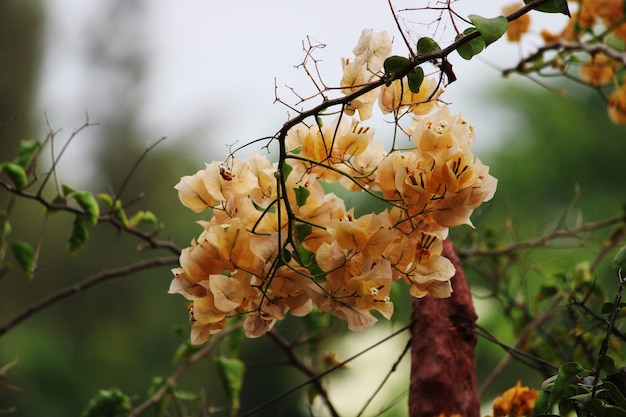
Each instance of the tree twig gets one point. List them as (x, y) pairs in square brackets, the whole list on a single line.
[(83, 285)]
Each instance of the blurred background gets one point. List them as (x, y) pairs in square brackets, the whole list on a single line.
[(204, 75)]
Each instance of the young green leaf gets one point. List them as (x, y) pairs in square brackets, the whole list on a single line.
[(5, 225), (490, 29), (119, 213), (415, 79), (26, 152), (67, 189), (287, 170), (110, 402), (231, 372), (25, 256), (427, 45), (144, 217), (79, 234), (553, 6), (16, 174), (88, 203), (471, 48), (106, 199), (395, 64), (302, 193)]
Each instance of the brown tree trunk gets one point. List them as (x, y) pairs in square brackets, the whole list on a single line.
[(443, 368)]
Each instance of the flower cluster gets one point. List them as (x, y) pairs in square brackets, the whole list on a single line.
[(277, 243)]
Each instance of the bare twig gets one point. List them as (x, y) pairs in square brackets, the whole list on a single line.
[(132, 170), (287, 348), (279, 397), (521, 339), (394, 367), (182, 368), (542, 241), (83, 285)]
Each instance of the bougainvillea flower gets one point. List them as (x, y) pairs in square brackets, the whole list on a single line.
[(518, 401), (397, 95)]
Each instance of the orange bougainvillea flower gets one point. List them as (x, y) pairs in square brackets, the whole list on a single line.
[(518, 26), (515, 402), (598, 71), (617, 105)]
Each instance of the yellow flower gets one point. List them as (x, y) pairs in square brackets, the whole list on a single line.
[(515, 402)]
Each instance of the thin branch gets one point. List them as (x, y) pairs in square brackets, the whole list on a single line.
[(132, 170), (83, 285), (287, 348), (182, 368), (406, 41), (151, 242), (542, 241), (521, 339), (303, 384), (394, 367)]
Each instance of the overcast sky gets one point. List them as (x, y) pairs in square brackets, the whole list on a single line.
[(212, 65)]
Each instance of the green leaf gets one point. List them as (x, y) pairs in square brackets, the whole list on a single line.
[(16, 174), (24, 254), (600, 408), (107, 403), (5, 226), (619, 261), (119, 213), (67, 189), (231, 372), (186, 395), (541, 404), (89, 204), (302, 231), (296, 151), (287, 170), (79, 235), (490, 29), (415, 79), (427, 46), (607, 307), (26, 151), (302, 193), (144, 217), (471, 48), (106, 199), (396, 64), (614, 393), (553, 6), (567, 372)]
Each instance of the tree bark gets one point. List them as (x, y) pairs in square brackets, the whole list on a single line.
[(443, 367)]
